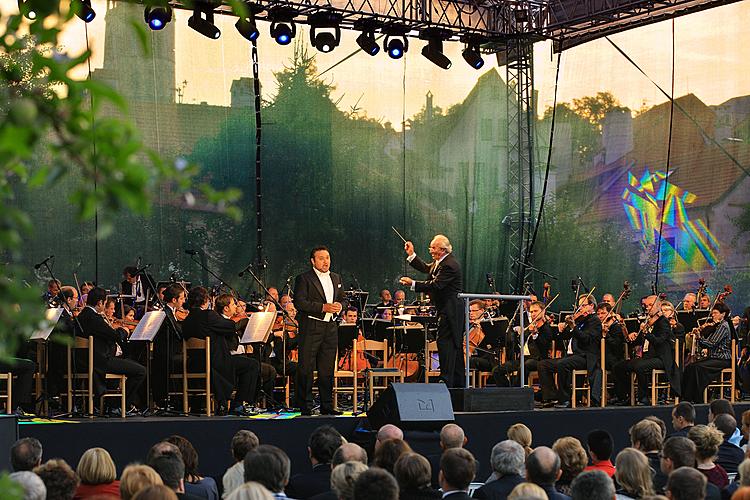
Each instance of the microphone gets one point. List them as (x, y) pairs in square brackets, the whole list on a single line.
[(247, 268), (37, 266), (191, 252)]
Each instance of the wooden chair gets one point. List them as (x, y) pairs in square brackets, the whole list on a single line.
[(194, 344), (430, 348), (659, 381), (727, 378), (8, 395), (583, 388), (283, 387), (605, 373), (87, 344), (347, 374), (386, 372)]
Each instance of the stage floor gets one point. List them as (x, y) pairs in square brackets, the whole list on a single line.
[(128, 440)]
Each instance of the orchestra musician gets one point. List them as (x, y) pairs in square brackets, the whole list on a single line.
[(678, 330), (688, 302), (93, 323), (705, 301), (56, 346), (608, 298), (385, 300), (716, 340), (345, 359), (482, 358), (53, 290), (318, 296), (657, 348), (166, 343), (580, 334), (613, 333), (443, 285), (285, 340), (539, 335)]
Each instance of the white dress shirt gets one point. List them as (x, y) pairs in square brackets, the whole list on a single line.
[(325, 280), (414, 256)]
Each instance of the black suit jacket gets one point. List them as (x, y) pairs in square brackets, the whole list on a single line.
[(309, 297), (500, 488), (459, 495), (730, 456), (309, 484), (615, 345), (419, 494), (661, 345), (444, 283), (539, 348), (105, 337)]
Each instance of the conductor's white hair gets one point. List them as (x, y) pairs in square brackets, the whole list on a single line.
[(444, 242)]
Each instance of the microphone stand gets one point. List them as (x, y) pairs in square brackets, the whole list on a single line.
[(215, 276)]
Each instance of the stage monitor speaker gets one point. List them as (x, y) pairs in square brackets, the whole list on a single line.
[(412, 407), (493, 399)]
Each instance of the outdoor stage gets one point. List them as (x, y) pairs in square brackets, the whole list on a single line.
[(128, 440)]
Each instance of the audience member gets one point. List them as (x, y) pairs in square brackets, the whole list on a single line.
[(662, 425), (25, 454), (414, 474), (527, 491), (343, 477), (741, 494), (743, 479), (633, 475), (724, 407), (457, 471), (389, 452), (592, 485), (195, 484), (250, 491), (707, 439), (543, 469), (683, 418), (452, 436), (349, 452), (745, 431), (323, 443), (156, 492), (507, 461), (645, 437), (376, 484), (162, 448), (573, 460), (136, 477), (521, 435), (680, 452), (242, 442), (59, 479), (730, 455), (600, 445), (269, 466), (388, 431), (686, 483), (97, 473), (170, 467), (32, 485)]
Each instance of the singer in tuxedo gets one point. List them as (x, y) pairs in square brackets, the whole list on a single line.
[(318, 296), (443, 285)]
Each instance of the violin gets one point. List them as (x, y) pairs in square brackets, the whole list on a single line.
[(570, 320), (181, 313)]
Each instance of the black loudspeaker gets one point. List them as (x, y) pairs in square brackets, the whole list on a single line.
[(493, 399), (422, 407), (8, 436)]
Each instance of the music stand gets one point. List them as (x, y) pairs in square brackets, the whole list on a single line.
[(348, 334), (52, 316), (146, 331), (632, 325), (258, 328), (494, 332)]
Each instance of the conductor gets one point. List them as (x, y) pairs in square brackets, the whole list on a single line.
[(443, 285), (318, 296)]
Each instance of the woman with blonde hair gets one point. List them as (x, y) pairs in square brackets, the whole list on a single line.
[(251, 491), (155, 492), (633, 475), (707, 439), (343, 477), (98, 474), (136, 477), (527, 491), (573, 459), (521, 435)]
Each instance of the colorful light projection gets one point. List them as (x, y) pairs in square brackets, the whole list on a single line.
[(687, 245)]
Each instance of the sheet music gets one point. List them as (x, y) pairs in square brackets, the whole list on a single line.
[(51, 317), (258, 327), (148, 326)]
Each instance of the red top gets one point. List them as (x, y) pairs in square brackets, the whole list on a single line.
[(89, 490), (604, 466)]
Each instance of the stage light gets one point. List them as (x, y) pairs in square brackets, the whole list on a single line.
[(283, 33), (396, 47), (25, 8), (83, 9), (247, 28), (202, 21), (472, 56), (324, 42), (433, 51), (325, 33), (366, 42), (157, 17)]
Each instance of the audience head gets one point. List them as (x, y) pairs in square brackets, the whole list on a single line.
[(96, 467), (161, 448), (250, 491), (507, 458), (343, 477), (189, 455), (683, 415), (32, 485), (452, 436), (59, 479), (521, 435), (600, 444), (633, 473), (412, 471), (645, 435), (25, 454), (376, 484), (388, 431), (592, 485), (349, 452), (389, 452), (323, 443), (743, 471), (660, 423), (686, 483), (269, 466), (543, 466), (155, 492), (457, 469), (718, 407), (242, 443), (677, 452), (742, 493), (171, 469), (573, 458), (136, 477), (707, 439), (726, 425), (527, 491)]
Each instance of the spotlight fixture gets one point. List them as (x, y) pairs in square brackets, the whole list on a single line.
[(25, 8), (247, 28), (366, 39), (325, 41), (471, 54), (433, 51), (283, 29), (202, 21), (83, 10), (396, 47), (157, 17)]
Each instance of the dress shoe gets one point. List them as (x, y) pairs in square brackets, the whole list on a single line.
[(622, 402), (306, 412), (331, 411), (243, 411), (644, 402), (563, 404), (549, 404)]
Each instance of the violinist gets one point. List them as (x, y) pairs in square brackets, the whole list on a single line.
[(271, 299), (608, 298), (53, 290), (285, 328), (612, 331), (688, 302), (539, 335), (704, 302), (167, 341), (716, 339), (482, 358), (658, 354), (109, 316), (678, 330), (580, 334), (56, 346)]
